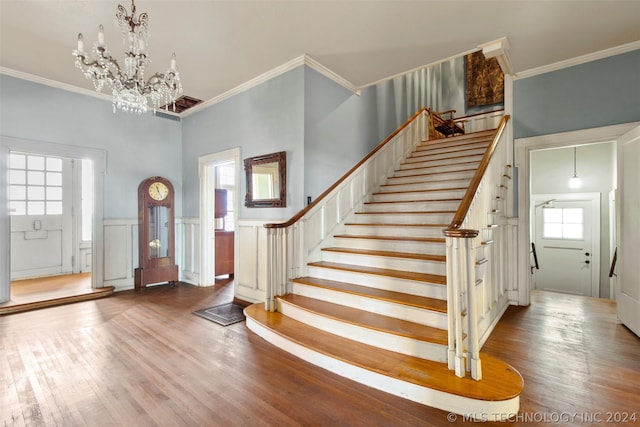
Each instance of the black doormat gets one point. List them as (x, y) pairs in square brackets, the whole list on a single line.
[(224, 314)]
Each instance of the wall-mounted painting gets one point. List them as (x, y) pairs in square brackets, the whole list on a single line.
[(484, 80)]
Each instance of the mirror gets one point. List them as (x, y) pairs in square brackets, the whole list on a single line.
[(266, 181)]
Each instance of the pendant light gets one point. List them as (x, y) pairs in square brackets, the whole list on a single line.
[(575, 181)]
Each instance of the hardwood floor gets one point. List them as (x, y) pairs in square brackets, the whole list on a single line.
[(31, 294), (142, 358)]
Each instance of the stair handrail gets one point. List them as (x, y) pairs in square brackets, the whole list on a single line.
[(344, 177), (467, 200), (462, 299), (291, 244)]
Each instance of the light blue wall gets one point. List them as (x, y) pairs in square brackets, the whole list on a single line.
[(137, 147), (339, 130), (598, 93), (262, 120)]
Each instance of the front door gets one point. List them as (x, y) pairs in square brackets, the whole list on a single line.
[(40, 200), (566, 238), (628, 282)]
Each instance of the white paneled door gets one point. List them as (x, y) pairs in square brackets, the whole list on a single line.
[(628, 281), (566, 236), (40, 205)]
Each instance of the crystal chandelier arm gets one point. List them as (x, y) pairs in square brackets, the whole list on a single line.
[(129, 88)]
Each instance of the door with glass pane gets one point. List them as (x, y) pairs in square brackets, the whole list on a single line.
[(566, 236), (40, 200)]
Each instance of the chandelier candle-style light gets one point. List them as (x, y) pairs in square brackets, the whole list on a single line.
[(130, 91)]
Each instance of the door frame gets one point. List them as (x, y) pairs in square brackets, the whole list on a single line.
[(99, 158), (523, 148), (206, 166), (594, 199)]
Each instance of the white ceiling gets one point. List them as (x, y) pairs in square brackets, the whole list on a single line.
[(222, 44)]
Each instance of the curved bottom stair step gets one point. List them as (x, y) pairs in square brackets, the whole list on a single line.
[(423, 381), (368, 319)]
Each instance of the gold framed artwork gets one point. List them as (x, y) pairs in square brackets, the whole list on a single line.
[(484, 80)]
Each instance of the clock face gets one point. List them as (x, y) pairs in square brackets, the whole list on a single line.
[(158, 191)]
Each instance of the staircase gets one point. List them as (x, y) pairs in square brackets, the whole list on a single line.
[(374, 307)]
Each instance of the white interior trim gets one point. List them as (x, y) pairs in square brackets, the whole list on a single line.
[(523, 149), (99, 157), (206, 165)]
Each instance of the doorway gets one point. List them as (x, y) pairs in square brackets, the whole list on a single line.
[(565, 238), (50, 171), (561, 168), (50, 209), (219, 177)]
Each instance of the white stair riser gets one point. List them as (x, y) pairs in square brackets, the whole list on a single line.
[(434, 248), (404, 286), (393, 263), (387, 341), (405, 218), (386, 308), (413, 169), (443, 148), (419, 195), (481, 409), (412, 206), (459, 140), (408, 231), (411, 179), (421, 156), (428, 185), (437, 163)]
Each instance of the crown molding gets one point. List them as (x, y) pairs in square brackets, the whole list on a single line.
[(55, 84), (279, 70), (594, 56), (312, 63)]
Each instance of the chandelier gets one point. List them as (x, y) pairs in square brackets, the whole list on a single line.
[(130, 91)]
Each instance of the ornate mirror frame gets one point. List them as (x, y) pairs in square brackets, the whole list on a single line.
[(250, 199)]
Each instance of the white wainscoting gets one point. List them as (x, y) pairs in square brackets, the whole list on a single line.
[(251, 260), (120, 252), (188, 250)]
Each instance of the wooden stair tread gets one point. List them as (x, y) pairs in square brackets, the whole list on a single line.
[(398, 238), (462, 148), (367, 319), (501, 381), (430, 174), (435, 279), (419, 160), (465, 143), (382, 224), (423, 191), (409, 201), (416, 301), (406, 212), (389, 254), (420, 182), (438, 166)]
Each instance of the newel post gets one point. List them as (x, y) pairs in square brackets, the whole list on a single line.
[(461, 303)]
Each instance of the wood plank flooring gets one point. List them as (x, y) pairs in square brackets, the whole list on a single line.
[(32, 294), (141, 358)]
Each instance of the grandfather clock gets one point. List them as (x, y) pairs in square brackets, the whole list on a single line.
[(156, 233)]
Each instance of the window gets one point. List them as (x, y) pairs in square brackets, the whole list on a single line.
[(563, 223), (35, 185)]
